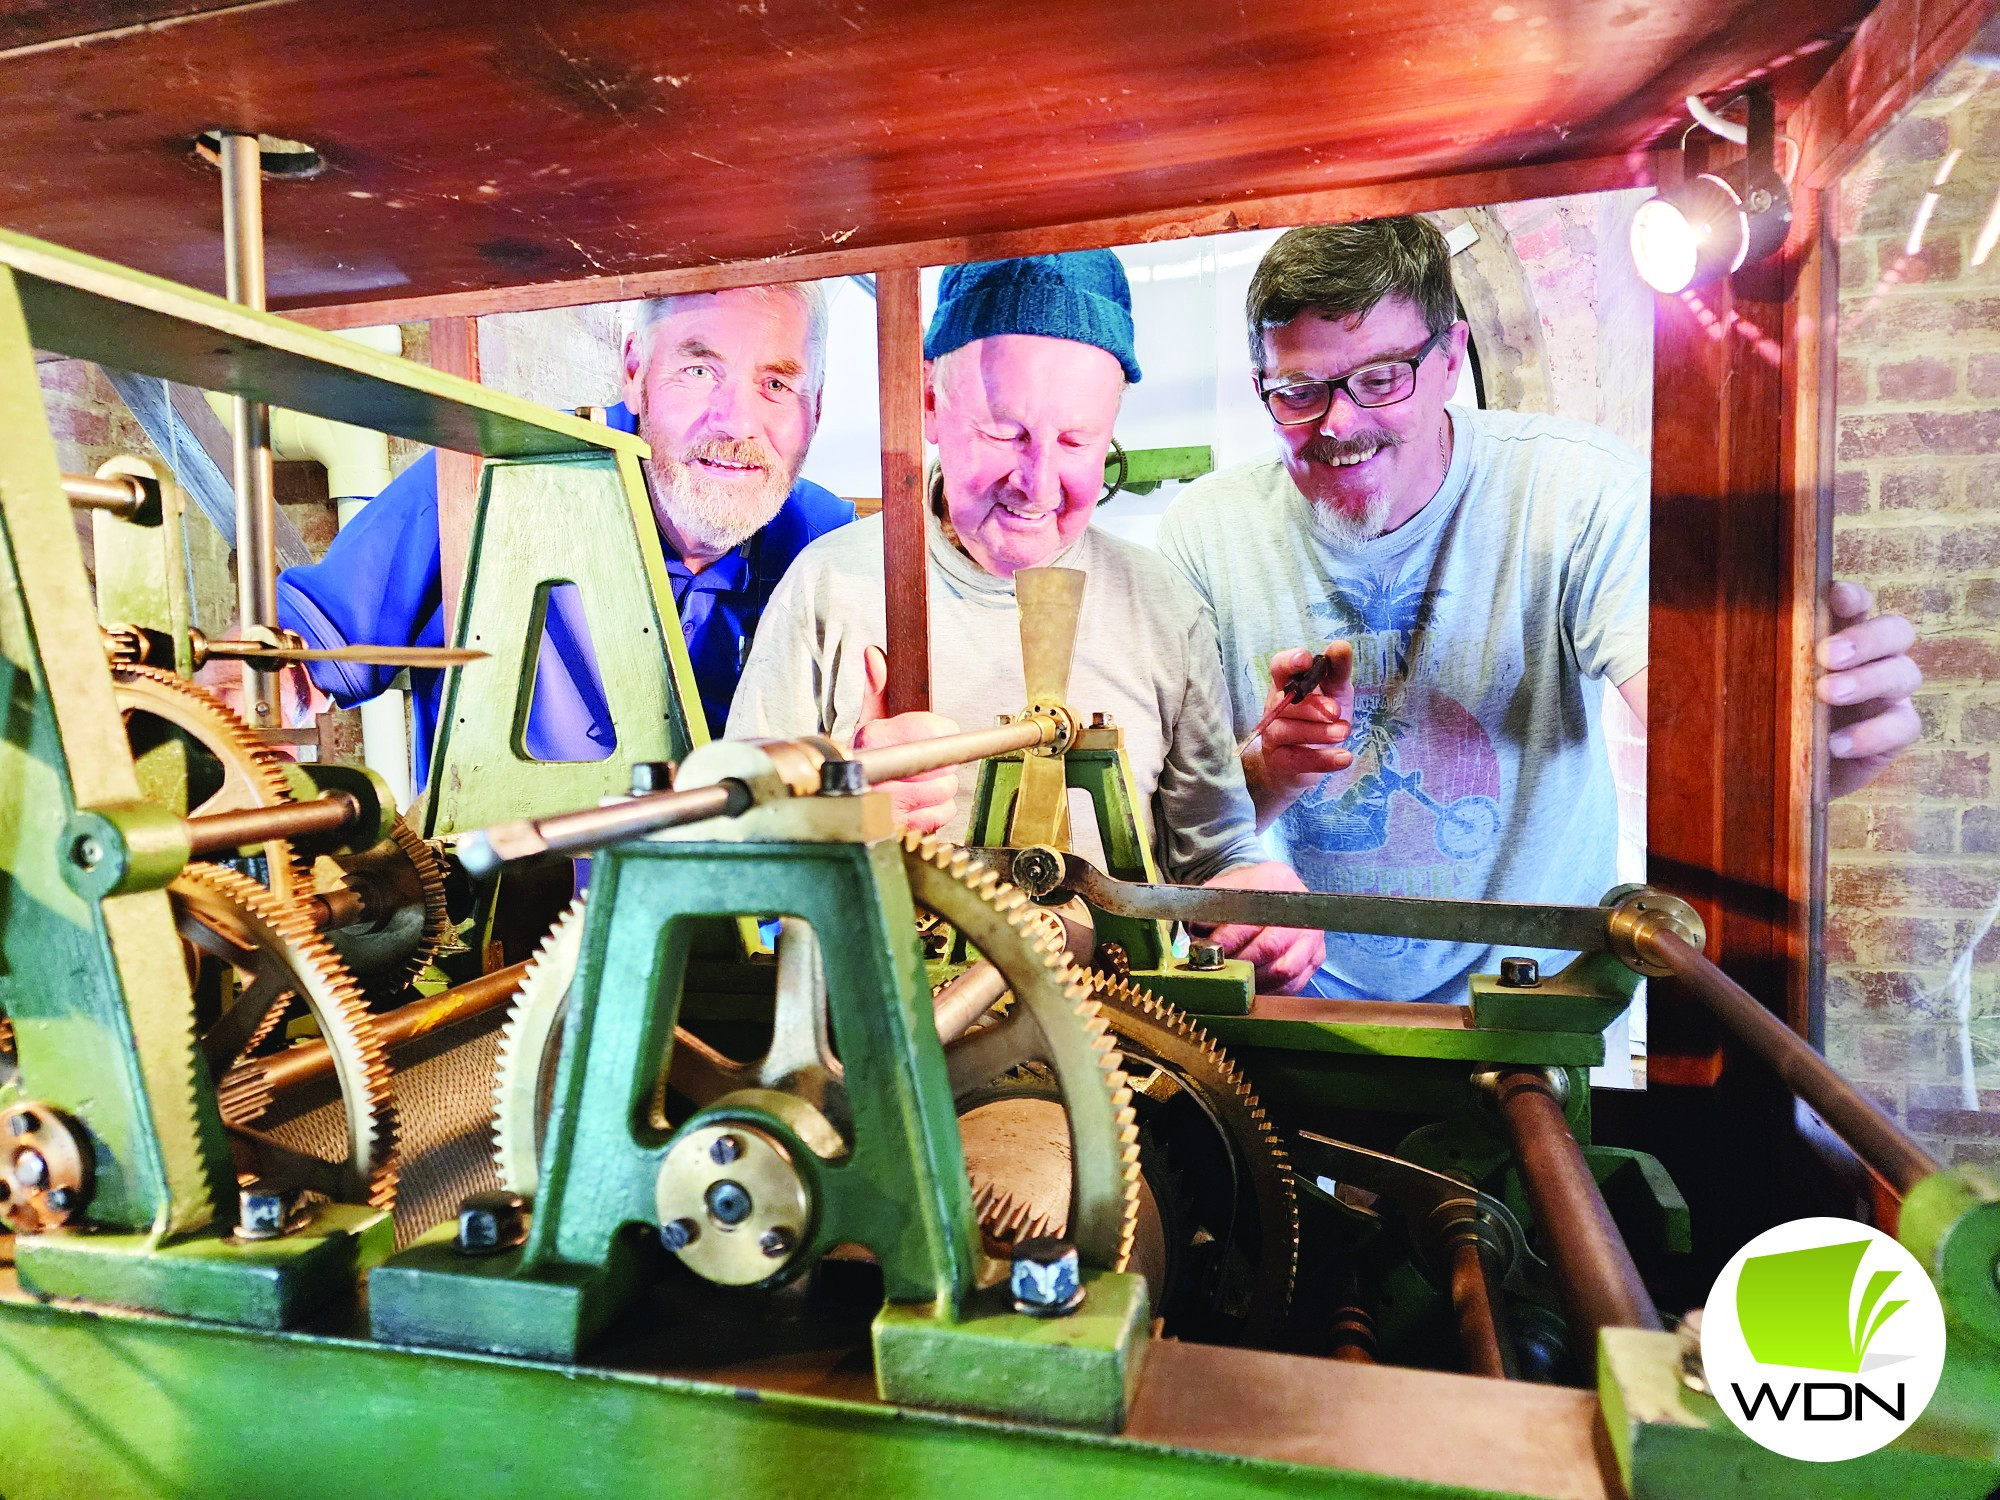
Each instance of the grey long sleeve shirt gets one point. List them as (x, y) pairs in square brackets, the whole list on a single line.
[(1146, 654)]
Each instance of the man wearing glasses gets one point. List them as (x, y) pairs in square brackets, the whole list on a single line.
[(1477, 573)]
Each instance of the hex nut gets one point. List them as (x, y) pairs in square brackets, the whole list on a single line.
[(1205, 954), (1046, 1279), (489, 1223)]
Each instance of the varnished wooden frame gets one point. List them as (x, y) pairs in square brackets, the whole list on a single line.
[(1742, 478)]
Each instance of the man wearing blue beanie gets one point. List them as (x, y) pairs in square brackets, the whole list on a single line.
[(1026, 362)]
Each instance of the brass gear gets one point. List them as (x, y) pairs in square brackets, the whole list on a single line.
[(234, 919), (387, 955), (251, 774), (1056, 1022), (527, 1053), (1018, 1171), (1154, 1033)]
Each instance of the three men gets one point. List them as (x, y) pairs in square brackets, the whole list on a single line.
[(725, 387), (1486, 570), (1026, 363)]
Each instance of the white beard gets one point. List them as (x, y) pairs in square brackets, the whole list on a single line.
[(714, 515), (1345, 529)]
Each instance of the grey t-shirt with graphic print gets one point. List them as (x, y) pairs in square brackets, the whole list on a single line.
[(1480, 630)]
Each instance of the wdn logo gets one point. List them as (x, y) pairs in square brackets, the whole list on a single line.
[(1823, 1339)]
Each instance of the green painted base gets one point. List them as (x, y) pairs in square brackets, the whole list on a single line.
[(265, 1284), (1551, 1005), (1226, 991), (1671, 1441), (430, 1295), (1076, 1371)]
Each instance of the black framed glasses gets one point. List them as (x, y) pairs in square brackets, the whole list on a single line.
[(1383, 383)]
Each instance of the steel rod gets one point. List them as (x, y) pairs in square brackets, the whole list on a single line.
[(486, 850), (1472, 1301), (1600, 1284), (1579, 929), (122, 494), (896, 762), (967, 998), (1856, 1118), (256, 505), (251, 1087), (224, 833)]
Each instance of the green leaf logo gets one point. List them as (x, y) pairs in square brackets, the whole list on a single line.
[(1793, 1307)]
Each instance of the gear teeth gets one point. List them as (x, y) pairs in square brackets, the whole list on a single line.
[(437, 912), (1127, 996), (524, 1041), (330, 993), (1076, 986), (220, 730)]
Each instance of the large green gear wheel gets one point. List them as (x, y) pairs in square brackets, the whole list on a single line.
[(1056, 1021), (246, 773), (272, 945)]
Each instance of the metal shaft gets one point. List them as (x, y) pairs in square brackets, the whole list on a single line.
[(250, 1087), (485, 851), (224, 833), (256, 506), (965, 999), (121, 494), (1601, 1285), (896, 762), (1472, 1300), (1872, 1135)]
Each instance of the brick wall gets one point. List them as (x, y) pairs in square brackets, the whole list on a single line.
[(1914, 861)]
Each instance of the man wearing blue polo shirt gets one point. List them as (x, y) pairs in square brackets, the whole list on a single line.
[(725, 387)]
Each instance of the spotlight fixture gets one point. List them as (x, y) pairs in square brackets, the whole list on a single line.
[(1715, 223)]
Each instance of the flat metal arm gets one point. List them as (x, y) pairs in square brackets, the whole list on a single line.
[(1581, 929), (91, 309)]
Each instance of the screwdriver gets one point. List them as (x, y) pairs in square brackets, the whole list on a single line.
[(1298, 687)]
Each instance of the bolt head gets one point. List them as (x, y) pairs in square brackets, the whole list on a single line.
[(31, 1169), (1204, 953), (1520, 973), (725, 1149), (1046, 1278), (679, 1234), (728, 1203), (649, 776), (87, 852), (261, 1213), (491, 1222), (776, 1243)]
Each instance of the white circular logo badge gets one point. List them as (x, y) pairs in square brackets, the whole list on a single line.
[(1822, 1339)]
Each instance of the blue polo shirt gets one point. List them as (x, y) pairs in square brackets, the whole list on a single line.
[(381, 583)]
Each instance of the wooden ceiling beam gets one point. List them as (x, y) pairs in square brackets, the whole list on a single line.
[(1419, 195), (1897, 53)]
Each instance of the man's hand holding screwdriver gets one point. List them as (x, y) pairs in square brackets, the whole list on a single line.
[(1308, 715)]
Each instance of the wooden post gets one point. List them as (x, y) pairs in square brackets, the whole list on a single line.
[(899, 337), (455, 350)]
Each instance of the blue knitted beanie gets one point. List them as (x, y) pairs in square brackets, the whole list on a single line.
[(1080, 295)]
